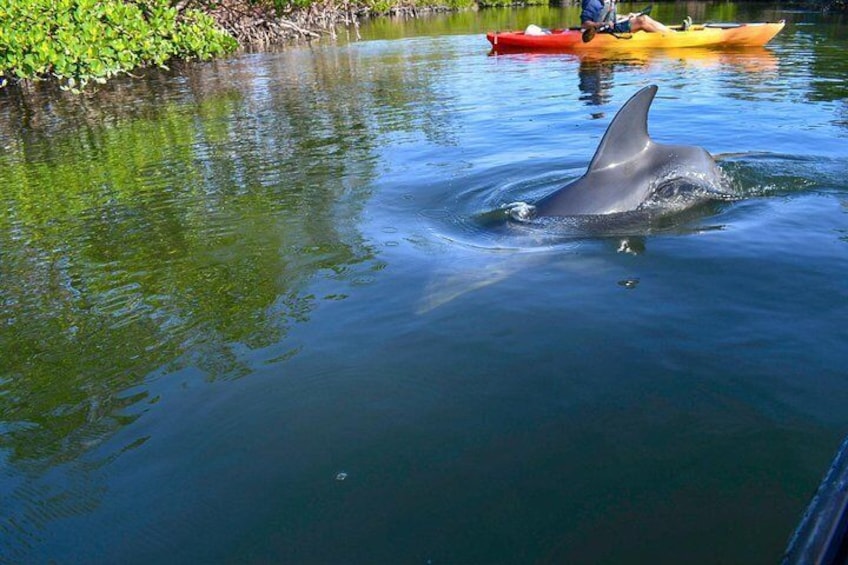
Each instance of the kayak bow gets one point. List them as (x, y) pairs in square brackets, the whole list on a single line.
[(707, 35)]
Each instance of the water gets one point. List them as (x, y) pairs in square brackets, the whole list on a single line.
[(225, 288)]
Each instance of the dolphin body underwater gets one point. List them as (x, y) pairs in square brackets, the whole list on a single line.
[(631, 172)]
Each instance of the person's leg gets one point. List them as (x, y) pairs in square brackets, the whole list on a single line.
[(648, 24)]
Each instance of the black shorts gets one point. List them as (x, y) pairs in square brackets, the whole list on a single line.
[(621, 27)]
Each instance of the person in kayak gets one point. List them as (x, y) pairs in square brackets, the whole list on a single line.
[(599, 15)]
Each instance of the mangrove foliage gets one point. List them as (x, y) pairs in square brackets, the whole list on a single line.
[(77, 41), (81, 41)]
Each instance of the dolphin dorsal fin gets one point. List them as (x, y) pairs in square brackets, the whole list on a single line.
[(627, 134)]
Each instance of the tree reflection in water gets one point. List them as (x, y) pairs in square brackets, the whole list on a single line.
[(171, 222)]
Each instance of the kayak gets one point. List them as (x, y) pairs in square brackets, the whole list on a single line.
[(822, 534), (707, 35)]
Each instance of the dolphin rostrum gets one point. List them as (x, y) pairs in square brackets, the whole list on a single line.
[(629, 170)]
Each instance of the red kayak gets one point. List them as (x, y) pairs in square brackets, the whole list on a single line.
[(706, 35)]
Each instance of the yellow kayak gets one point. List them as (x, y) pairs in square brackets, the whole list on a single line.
[(706, 35)]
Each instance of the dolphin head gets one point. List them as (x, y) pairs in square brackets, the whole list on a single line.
[(630, 171)]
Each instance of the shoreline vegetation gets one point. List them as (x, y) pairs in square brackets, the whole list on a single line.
[(259, 24), (78, 42)]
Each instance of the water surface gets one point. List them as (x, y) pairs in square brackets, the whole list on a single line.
[(268, 309)]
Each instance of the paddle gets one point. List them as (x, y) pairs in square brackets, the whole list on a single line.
[(589, 33)]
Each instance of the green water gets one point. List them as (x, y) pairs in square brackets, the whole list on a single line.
[(265, 310)]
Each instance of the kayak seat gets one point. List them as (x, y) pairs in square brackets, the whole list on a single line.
[(533, 29)]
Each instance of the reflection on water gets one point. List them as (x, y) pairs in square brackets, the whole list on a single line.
[(174, 233), (596, 78), (597, 71), (223, 285)]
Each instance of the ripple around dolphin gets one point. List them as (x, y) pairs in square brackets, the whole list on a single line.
[(501, 218), (502, 215), (494, 211), (760, 174)]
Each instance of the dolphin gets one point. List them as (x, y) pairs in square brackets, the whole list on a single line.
[(631, 172)]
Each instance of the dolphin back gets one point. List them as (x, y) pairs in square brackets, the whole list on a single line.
[(627, 134), (630, 170)]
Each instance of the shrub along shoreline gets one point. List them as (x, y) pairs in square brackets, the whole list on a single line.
[(78, 42)]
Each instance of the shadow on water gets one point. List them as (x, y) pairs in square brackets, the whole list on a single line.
[(494, 247)]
